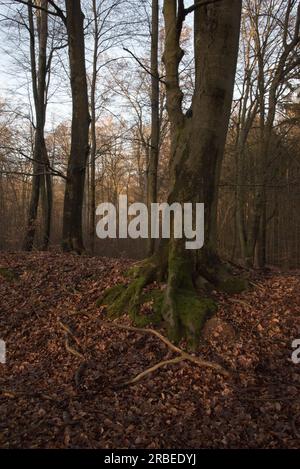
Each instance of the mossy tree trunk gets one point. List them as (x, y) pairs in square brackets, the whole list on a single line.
[(197, 147)]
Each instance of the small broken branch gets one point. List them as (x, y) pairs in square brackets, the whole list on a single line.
[(72, 350), (69, 333)]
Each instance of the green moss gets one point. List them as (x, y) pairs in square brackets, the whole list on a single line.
[(132, 272), (8, 274), (203, 285), (233, 285), (184, 311), (156, 298), (180, 271), (110, 295), (193, 312)]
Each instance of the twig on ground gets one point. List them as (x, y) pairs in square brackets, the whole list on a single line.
[(72, 350), (68, 331)]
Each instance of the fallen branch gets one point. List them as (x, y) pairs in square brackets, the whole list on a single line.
[(72, 350), (68, 331)]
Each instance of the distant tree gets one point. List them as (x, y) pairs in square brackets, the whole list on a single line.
[(269, 46)]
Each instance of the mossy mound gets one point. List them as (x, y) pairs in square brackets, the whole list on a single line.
[(233, 285), (130, 299), (184, 305), (110, 295)]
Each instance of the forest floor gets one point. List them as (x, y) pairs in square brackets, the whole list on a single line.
[(60, 385)]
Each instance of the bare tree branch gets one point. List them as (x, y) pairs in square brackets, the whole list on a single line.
[(143, 66)]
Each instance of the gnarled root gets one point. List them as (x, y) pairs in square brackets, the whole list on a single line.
[(183, 305), (122, 299), (214, 273), (182, 355), (183, 309)]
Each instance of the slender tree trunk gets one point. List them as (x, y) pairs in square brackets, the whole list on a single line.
[(46, 198), (93, 131), (40, 164), (154, 150), (74, 192)]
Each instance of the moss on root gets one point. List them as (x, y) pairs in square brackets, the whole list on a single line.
[(192, 313), (122, 299), (229, 283), (110, 295), (184, 310), (153, 300), (130, 299), (184, 305)]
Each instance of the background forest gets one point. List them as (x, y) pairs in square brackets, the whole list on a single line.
[(260, 171)]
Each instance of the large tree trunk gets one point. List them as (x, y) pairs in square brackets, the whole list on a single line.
[(154, 149), (198, 142), (74, 192), (197, 147)]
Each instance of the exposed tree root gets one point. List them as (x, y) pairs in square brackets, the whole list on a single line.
[(182, 354), (153, 368), (184, 305), (127, 298)]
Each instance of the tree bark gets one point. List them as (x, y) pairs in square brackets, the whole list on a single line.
[(155, 125), (92, 208), (74, 192), (198, 142), (197, 147), (41, 183)]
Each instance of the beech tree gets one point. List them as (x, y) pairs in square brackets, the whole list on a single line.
[(74, 192), (197, 147)]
